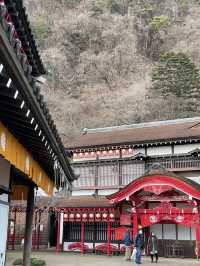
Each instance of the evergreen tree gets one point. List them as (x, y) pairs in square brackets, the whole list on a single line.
[(177, 75)]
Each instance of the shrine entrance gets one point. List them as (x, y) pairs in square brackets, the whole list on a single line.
[(166, 204)]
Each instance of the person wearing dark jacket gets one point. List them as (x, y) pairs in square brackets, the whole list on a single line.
[(128, 245), (139, 244), (152, 247)]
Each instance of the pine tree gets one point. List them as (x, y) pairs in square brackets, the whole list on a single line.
[(177, 75)]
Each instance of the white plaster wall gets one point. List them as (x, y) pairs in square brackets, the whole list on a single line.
[(185, 148), (193, 233), (83, 192), (106, 192), (169, 231), (113, 156), (183, 232), (162, 150), (195, 179)]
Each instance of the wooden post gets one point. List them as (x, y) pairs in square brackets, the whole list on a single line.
[(82, 237), (108, 238), (28, 228)]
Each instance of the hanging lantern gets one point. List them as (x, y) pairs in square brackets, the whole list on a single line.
[(92, 153), (71, 216), (98, 215), (65, 215), (105, 215), (84, 215), (123, 151), (86, 154), (104, 153), (78, 216), (130, 150), (117, 151), (75, 155), (98, 153), (112, 215), (91, 215), (80, 154), (110, 152)]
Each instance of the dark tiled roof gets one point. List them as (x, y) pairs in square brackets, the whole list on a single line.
[(20, 20), (69, 202), (140, 133)]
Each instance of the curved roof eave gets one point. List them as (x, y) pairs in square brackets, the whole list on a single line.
[(183, 184)]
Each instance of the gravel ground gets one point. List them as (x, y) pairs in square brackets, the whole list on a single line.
[(69, 259)]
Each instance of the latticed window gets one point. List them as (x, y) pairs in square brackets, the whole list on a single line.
[(87, 176), (131, 171), (101, 232), (72, 231), (108, 175)]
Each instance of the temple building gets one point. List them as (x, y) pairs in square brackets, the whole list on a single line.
[(32, 155), (139, 176)]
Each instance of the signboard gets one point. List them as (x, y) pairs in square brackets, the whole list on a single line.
[(4, 210)]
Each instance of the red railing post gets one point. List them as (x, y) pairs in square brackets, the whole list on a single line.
[(82, 237), (108, 238)]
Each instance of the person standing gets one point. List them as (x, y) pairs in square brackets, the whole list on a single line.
[(128, 244), (139, 244), (152, 247)]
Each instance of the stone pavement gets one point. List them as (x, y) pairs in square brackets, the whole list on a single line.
[(69, 259)]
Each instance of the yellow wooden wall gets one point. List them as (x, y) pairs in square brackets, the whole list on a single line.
[(18, 156)]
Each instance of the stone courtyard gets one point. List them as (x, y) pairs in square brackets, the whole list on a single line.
[(71, 259)]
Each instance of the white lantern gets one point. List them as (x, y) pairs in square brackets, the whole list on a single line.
[(105, 215), (78, 215), (91, 215), (65, 215), (117, 152), (98, 215), (123, 151), (84, 215), (112, 215), (71, 215), (130, 150)]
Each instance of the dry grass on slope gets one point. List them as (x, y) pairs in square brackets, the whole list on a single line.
[(91, 89)]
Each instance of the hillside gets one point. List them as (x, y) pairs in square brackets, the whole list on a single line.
[(99, 55)]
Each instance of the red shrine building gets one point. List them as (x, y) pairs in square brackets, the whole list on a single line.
[(138, 176)]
